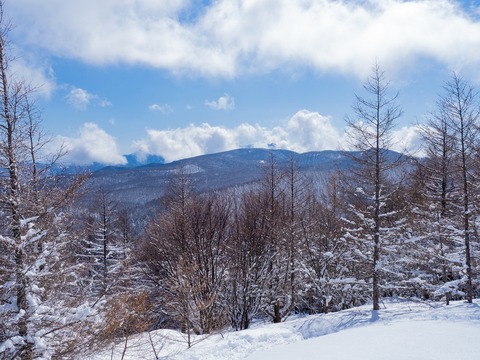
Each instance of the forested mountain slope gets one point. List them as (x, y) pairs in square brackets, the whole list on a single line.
[(142, 184)]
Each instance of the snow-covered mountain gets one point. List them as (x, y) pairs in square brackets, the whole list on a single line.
[(140, 187), (143, 184)]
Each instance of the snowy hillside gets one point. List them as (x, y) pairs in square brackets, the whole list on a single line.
[(405, 330)]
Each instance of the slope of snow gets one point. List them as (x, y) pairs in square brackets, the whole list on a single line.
[(401, 330)]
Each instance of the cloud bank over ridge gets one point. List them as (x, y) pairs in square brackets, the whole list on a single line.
[(304, 131)]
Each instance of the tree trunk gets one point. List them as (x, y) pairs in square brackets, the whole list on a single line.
[(466, 224)]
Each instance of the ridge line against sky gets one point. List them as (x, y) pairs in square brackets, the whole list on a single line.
[(180, 78)]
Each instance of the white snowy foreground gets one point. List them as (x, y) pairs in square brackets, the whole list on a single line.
[(401, 330)]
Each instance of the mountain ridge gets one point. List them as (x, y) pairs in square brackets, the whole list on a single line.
[(139, 188), (145, 184)]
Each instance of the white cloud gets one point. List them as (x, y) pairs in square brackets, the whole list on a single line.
[(313, 131), (408, 139), (305, 131), (229, 37), (92, 144), (164, 109), (41, 78), (80, 99), (225, 102), (104, 103)]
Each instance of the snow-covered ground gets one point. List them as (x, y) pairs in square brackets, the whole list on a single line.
[(403, 329)]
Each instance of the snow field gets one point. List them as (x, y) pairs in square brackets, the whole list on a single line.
[(406, 330)]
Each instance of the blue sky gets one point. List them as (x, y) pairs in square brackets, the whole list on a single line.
[(180, 78)]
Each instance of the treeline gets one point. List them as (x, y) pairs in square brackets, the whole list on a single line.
[(75, 279)]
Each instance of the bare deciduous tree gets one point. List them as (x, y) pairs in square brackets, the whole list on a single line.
[(370, 132), (184, 255), (462, 111)]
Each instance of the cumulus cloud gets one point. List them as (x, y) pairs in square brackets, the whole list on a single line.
[(80, 99), (408, 139), (305, 131), (164, 109), (225, 37), (313, 131), (225, 102), (92, 144)]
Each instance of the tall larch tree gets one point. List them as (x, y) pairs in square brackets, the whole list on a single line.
[(462, 111), (370, 133), (433, 189)]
